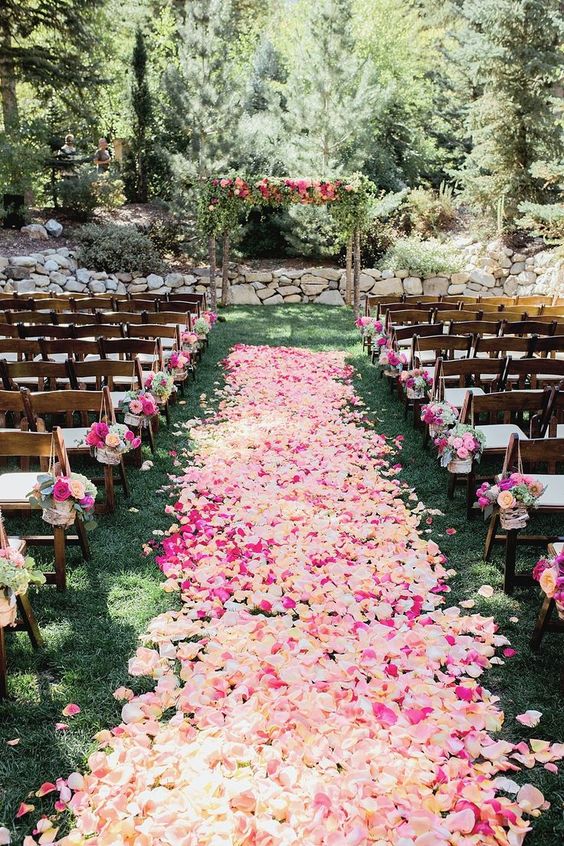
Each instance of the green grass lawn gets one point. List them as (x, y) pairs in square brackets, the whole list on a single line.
[(92, 629)]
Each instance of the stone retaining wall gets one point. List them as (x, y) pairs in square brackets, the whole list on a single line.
[(502, 272)]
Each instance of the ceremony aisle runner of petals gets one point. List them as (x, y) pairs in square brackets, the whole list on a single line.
[(312, 690)]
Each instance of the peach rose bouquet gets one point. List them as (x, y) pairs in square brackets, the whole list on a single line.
[(63, 498), (17, 573), (138, 407), (549, 573), (514, 495), (109, 442), (459, 447)]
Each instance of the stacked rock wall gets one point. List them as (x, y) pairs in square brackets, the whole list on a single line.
[(494, 272)]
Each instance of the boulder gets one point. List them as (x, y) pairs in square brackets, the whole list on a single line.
[(55, 289), (372, 271), (274, 300), (412, 285), (23, 261), (527, 277), (54, 228), (59, 278), (293, 298), (174, 280), (333, 298), (387, 274), (124, 277), (39, 281), (35, 230), (70, 284), (154, 281), (511, 286), (97, 287), (290, 290), (327, 273), (436, 285), (243, 295), (401, 274), (264, 293), (16, 273), (312, 289), (366, 283), (111, 285), (388, 286), (83, 275), (24, 286), (258, 276), (63, 251), (482, 277), (4, 262), (455, 290), (50, 265)]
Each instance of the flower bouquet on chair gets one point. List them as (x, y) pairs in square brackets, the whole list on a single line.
[(177, 365), (549, 573), (17, 573), (109, 442), (211, 317), (392, 362), (160, 385), (459, 447), (439, 416), (63, 498), (514, 495), (202, 327), (372, 330), (189, 341), (139, 407), (417, 383)]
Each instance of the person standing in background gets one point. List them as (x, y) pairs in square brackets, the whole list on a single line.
[(68, 148), (102, 157)]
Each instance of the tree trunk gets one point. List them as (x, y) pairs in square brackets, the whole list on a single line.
[(211, 252), (225, 269), (348, 273), (10, 111), (356, 298)]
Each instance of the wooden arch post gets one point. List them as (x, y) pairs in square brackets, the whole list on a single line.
[(213, 265), (225, 269), (356, 273)]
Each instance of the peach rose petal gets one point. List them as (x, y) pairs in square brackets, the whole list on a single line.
[(530, 718)]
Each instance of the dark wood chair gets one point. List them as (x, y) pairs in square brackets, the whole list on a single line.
[(525, 328), (32, 318), (458, 315), (18, 349), (531, 456), (34, 375), (534, 373), (426, 350), (505, 346), (25, 620), (546, 621), (14, 487), (64, 348), (475, 327)]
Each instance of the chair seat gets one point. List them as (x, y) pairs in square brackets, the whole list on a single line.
[(17, 543), (558, 547), (14, 487), (553, 497), (498, 434), (73, 436), (456, 395)]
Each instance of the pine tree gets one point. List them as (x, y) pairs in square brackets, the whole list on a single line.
[(143, 115), (331, 94), (204, 94), (512, 51), (46, 43)]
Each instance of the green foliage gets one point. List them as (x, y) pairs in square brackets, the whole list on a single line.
[(377, 240), (309, 231), (545, 221), (167, 235), (20, 163), (430, 212), (141, 102), (422, 258), (81, 195), (512, 52), (116, 249)]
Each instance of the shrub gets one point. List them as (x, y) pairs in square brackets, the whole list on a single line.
[(376, 241), (81, 194), (545, 221), (309, 231), (429, 212), (117, 249), (167, 235), (422, 258)]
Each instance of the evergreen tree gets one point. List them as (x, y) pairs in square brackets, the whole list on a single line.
[(331, 94), (143, 116), (46, 43), (512, 51), (204, 95)]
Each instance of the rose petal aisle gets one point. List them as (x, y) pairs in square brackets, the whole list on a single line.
[(312, 689)]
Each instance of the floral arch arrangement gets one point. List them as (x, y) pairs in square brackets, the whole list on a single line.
[(224, 200)]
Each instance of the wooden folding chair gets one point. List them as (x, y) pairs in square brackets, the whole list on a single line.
[(137, 304), (168, 318), (197, 299), (553, 311), (454, 378), (32, 318), (475, 327), (463, 300), (93, 331), (56, 304), (64, 348), (528, 456), (50, 331), (458, 315), (426, 350), (7, 330), (534, 300), (99, 302), (14, 487), (13, 411), (65, 409), (372, 304), (499, 415), (169, 336), (551, 347), (524, 328), (545, 620), (34, 375), (76, 318), (534, 373), (17, 349), (13, 304), (407, 317), (25, 621), (552, 423), (503, 346), (109, 318)]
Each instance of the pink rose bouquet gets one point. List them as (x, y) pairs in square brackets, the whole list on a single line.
[(392, 362), (439, 415), (460, 444), (66, 496), (211, 318), (417, 382), (372, 329), (189, 341), (115, 439), (160, 384), (202, 327), (513, 495), (17, 573), (549, 573), (178, 361), (139, 407)]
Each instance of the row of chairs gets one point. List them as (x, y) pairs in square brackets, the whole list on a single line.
[(39, 301)]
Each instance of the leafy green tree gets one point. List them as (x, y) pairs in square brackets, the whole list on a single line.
[(512, 51), (46, 43)]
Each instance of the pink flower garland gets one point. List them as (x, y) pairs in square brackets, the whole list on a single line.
[(311, 689)]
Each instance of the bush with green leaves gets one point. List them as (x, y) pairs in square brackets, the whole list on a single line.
[(309, 231), (543, 220), (167, 234), (422, 258), (82, 194), (430, 212), (116, 249)]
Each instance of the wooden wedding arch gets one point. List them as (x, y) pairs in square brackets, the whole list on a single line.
[(224, 201)]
